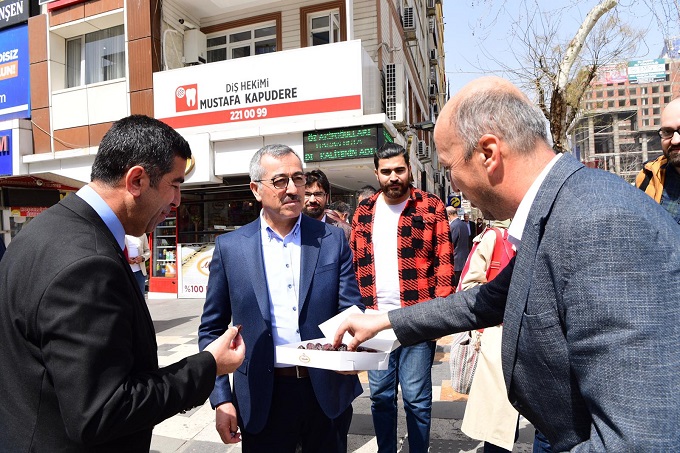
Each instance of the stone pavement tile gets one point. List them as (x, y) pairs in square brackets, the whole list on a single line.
[(162, 444), (361, 444), (182, 426), (449, 410), (196, 446)]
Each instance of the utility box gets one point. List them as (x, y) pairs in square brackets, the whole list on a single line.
[(195, 47)]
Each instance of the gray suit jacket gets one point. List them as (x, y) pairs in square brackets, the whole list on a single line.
[(591, 345)]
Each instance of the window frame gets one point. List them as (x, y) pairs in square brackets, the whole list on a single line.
[(306, 13), (251, 42), (251, 23), (82, 75)]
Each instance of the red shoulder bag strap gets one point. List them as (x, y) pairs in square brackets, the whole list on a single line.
[(502, 254)]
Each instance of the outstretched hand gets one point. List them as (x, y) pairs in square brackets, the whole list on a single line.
[(229, 351), (362, 327)]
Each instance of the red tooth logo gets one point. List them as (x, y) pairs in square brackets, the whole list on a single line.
[(186, 98)]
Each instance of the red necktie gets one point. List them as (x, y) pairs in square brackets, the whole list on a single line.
[(125, 252)]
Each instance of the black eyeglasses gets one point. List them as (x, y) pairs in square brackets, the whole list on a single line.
[(315, 194), (281, 182), (667, 132)]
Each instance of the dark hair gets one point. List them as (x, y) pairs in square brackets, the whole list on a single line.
[(339, 206), (366, 192), (319, 177), (138, 140), (389, 150)]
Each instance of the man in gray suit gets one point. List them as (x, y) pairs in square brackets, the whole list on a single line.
[(591, 343)]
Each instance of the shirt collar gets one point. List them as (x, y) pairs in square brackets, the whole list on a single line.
[(269, 233), (522, 214), (96, 202)]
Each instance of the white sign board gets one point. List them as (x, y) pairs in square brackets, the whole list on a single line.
[(292, 83), (194, 270)]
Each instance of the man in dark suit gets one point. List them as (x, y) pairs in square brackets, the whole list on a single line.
[(461, 244), (591, 345), (280, 277), (79, 360)]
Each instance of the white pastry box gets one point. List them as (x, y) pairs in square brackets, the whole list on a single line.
[(385, 342)]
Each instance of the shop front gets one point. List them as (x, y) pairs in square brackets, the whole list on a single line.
[(331, 115)]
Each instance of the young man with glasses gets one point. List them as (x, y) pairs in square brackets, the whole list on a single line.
[(279, 277), (317, 193), (660, 178)]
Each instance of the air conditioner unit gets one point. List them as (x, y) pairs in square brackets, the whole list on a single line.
[(195, 47), (437, 178), (434, 90), (431, 4), (433, 57), (432, 24), (395, 99), (422, 151), (408, 21)]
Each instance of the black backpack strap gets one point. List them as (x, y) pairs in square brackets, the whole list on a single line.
[(645, 182)]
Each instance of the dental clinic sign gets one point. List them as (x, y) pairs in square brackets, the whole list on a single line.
[(308, 81)]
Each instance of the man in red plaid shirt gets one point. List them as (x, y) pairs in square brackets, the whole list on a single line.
[(402, 256)]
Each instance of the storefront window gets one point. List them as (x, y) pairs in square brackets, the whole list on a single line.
[(201, 218)]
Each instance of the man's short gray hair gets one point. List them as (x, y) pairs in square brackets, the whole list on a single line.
[(276, 151), (505, 115)]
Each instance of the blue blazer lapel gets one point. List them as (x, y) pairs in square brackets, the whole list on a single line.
[(311, 235), (520, 284), (253, 266)]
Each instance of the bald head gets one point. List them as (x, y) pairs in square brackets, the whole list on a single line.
[(491, 105)]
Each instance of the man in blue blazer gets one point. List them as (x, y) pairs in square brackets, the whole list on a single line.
[(591, 343), (279, 277)]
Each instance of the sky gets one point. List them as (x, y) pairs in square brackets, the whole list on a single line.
[(475, 30)]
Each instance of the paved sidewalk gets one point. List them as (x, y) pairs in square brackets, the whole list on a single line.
[(176, 322)]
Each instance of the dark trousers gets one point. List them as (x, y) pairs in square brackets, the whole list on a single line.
[(295, 418)]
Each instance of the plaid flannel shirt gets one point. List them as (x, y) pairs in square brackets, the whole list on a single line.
[(425, 251)]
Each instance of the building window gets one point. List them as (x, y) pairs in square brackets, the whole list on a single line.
[(633, 102), (323, 23), (324, 28), (598, 94), (632, 91), (610, 104), (643, 90), (622, 92), (667, 99), (656, 110), (610, 93), (655, 89), (645, 112), (655, 101), (255, 40), (666, 88), (95, 57), (622, 102)]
